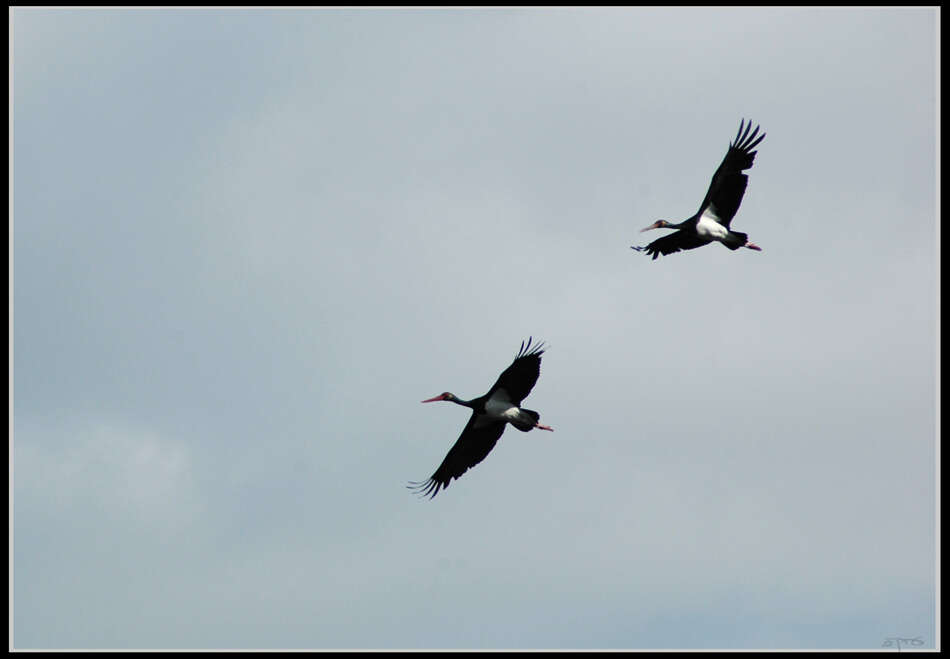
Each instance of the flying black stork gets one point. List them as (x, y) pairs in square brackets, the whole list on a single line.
[(711, 222), (490, 413)]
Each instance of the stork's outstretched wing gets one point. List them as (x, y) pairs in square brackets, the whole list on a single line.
[(520, 377), (673, 242), (728, 183), (476, 441)]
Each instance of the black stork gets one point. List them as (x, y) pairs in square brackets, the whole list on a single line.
[(490, 413), (711, 222)]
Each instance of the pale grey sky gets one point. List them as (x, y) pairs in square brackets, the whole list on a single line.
[(247, 243)]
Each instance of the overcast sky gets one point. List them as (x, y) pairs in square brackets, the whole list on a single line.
[(247, 243)]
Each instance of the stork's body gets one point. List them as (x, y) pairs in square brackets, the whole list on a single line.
[(490, 414), (711, 222)]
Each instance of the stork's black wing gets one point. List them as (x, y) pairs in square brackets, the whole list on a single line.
[(728, 183), (673, 242), (476, 441), (519, 378)]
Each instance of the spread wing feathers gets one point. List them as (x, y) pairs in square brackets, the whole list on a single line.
[(476, 441), (728, 183), (674, 242), (519, 378)]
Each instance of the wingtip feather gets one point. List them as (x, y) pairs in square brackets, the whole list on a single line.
[(748, 127), (427, 488)]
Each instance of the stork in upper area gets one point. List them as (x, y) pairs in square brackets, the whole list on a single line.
[(490, 414), (711, 222)]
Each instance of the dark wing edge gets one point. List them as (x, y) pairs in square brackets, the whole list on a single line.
[(472, 446), (728, 183), (671, 243), (522, 374)]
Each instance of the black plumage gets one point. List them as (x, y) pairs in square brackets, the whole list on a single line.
[(711, 222), (490, 413)]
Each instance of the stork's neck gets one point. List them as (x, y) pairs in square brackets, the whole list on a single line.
[(465, 403)]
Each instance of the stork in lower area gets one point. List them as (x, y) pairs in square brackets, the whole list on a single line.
[(711, 222), (490, 414)]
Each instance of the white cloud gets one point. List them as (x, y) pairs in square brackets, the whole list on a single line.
[(106, 469)]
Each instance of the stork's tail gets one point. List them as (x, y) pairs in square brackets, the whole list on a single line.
[(736, 239), (527, 420)]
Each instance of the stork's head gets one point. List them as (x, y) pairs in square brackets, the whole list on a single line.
[(443, 396), (659, 224)]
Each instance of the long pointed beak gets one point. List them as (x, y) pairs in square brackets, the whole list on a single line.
[(655, 225), (432, 400)]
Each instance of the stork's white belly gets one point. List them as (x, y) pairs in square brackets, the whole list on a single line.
[(709, 228), (499, 407)]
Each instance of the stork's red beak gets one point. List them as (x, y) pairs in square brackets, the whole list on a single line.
[(655, 225), (432, 400)]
